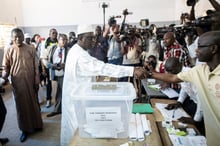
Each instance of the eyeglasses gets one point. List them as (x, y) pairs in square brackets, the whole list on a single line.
[(203, 46)]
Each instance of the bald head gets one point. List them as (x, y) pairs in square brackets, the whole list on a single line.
[(168, 39), (173, 65)]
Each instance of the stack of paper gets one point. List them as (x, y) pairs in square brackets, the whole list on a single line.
[(188, 140), (139, 126)]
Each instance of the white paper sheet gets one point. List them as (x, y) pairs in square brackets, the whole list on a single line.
[(170, 93), (140, 131), (145, 124), (132, 128), (188, 140), (171, 115)]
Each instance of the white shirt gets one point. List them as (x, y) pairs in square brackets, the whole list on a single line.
[(57, 60), (189, 89), (81, 67)]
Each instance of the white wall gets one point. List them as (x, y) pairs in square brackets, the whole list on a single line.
[(11, 12), (38, 16), (72, 12)]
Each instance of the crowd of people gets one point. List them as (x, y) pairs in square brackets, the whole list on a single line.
[(30, 63)]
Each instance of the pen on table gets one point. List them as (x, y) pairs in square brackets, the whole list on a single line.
[(174, 112)]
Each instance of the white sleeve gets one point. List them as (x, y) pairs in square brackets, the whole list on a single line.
[(182, 95), (199, 113), (90, 66), (44, 54)]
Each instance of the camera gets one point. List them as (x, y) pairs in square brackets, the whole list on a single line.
[(111, 21), (125, 12), (191, 2), (162, 30), (202, 21)]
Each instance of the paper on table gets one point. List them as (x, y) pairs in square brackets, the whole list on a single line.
[(132, 128), (170, 93), (168, 114), (140, 131), (145, 124), (188, 140)]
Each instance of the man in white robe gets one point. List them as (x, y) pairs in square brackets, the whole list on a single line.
[(82, 68)]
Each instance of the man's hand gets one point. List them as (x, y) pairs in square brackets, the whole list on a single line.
[(139, 73), (187, 120), (173, 106)]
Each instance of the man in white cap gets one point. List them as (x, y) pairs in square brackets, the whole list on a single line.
[(81, 67), (27, 38)]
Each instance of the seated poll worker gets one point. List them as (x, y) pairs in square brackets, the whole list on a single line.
[(206, 77), (82, 68), (188, 97)]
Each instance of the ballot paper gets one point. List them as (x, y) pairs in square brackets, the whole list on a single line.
[(171, 115), (188, 140), (132, 128), (146, 125), (139, 126), (140, 131)]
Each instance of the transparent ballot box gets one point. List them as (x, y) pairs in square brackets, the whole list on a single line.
[(103, 109)]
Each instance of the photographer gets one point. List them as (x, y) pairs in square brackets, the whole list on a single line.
[(114, 53)]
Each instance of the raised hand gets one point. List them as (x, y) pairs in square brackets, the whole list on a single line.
[(140, 73)]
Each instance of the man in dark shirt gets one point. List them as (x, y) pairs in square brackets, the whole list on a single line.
[(100, 49)]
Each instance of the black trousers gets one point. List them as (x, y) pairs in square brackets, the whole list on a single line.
[(49, 85), (3, 112), (58, 101), (190, 107)]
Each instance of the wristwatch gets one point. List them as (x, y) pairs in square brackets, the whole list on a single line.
[(149, 74)]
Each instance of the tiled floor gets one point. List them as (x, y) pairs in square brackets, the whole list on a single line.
[(50, 136)]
